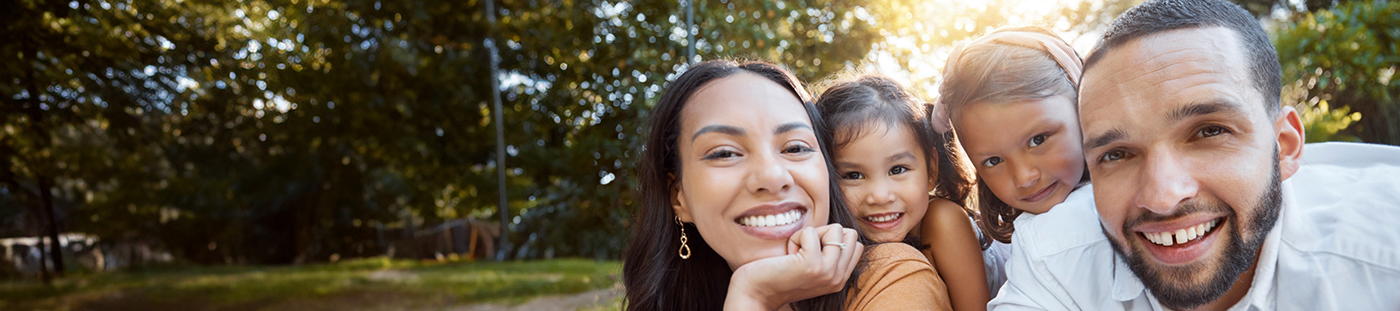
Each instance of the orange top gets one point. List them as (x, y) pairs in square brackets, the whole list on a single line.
[(898, 277)]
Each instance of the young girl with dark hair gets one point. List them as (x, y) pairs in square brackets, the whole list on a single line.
[(739, 209), (905, 182)]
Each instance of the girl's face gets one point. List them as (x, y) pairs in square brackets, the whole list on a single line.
[(886, 181), (1027, 152), (751, 171)]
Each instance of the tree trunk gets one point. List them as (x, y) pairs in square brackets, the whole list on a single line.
[(43, 258), (36, 115), (55, 249)]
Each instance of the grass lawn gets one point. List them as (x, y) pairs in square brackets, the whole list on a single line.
[(363, 284)]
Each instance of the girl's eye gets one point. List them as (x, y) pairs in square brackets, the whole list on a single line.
[(898, 170), (992, 161), (1113, 155), (720, 154), (1210, 131), (797, 148), (1037, 140), (852, 175)]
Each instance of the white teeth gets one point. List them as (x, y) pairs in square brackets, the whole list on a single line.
[(1181, 236), (885, 218), (771, 220)]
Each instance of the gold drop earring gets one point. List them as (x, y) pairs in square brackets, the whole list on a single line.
[(685, 249)]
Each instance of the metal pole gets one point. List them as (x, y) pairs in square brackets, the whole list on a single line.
[(690, 31), (503, 208)]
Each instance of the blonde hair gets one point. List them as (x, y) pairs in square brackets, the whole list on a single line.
[(997, 72)]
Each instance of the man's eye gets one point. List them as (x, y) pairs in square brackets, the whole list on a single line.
[(898, 170), (992, 161), (1210, 131), (721, 154), (1113, 155), (1037, 140), (852, 175)]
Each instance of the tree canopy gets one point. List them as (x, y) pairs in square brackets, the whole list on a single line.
[(279, 131)]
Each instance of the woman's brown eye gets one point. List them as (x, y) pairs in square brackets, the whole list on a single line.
[(722, 154), (796, 149)]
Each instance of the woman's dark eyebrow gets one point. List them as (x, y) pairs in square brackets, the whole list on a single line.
[(722, 129), (791, 126)]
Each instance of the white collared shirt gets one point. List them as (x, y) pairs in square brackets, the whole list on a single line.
[(1336, 245)]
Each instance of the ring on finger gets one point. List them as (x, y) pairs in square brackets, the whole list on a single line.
[(841, 245)]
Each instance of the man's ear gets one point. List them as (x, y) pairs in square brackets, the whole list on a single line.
[(677, 201), (1288, 128)]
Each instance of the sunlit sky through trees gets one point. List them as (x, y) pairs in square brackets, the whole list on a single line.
[(275, 131)]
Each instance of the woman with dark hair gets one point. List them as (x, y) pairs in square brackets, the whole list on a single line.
[(739, 209)]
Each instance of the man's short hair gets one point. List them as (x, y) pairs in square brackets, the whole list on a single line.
[(1157, 16)]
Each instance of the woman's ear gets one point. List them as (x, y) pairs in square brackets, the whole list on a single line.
[(677, 200)]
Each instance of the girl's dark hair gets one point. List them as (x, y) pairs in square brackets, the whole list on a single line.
[(857, 105), (1003, 73), (656, 278)]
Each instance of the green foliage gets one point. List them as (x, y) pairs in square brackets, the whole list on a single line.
[(1345, 56), (277, 131), (289, 131), (1321, 123), (389, 282)]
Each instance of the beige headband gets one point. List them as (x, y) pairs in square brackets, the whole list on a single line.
[(1061, 52)]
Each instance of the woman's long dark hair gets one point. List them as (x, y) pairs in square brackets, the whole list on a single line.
[(655, 276)]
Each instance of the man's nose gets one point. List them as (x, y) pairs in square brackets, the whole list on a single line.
[(1166, 182)]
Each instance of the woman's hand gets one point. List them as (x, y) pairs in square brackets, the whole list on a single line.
[(815, 265)]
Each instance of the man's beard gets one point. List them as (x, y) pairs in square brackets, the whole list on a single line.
[(1173, 285)]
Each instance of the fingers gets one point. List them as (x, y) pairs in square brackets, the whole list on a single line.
[(848, 237), (810, 243), (856, 251), (794, 242), (831, 254)]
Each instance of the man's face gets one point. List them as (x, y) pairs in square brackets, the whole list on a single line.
[(1185, 160)]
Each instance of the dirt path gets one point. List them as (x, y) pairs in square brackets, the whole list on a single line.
[(600, 298)]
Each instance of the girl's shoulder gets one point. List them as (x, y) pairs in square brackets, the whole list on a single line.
[(944, 215), (890, 255), (897, 276)]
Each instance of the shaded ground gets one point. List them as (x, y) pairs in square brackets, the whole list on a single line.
[(370, 284)]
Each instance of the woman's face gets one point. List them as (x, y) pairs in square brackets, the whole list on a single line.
[(751, 171), (1029, 152), (886, 181)]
